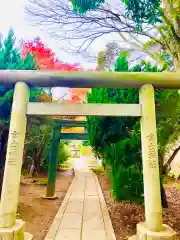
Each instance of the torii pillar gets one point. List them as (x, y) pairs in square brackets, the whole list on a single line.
[(10, 227), (152, 228)]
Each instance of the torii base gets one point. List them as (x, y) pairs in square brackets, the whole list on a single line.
[(16, 232), (144, 234), (50, 198)]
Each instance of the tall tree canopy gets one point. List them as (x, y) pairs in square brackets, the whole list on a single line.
[(45, 58), (10, 58), (158, 24), (117, 139)]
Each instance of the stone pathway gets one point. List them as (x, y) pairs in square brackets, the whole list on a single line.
[(83, 214)]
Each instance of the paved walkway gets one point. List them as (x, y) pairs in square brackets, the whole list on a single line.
[(83, 214)]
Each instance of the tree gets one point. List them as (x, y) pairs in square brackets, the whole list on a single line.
[(106, 58), (45, 58), (117, 140), (38, 141), (10, 58), (128, 19), (140, 11)]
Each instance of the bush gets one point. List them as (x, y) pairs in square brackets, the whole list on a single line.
[(97, 170), (117, 139), (63, 153), (127, 183)]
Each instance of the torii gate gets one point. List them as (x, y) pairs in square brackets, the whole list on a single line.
[(153, 228), (57, 136)]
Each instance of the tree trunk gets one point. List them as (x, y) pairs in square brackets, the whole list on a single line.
[(163, 193), (33, 164), (168, 163), (38, 159), (24, 155), (163, 196), (3, 146)]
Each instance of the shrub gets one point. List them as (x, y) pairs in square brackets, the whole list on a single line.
[(127, 183), (63, 153)]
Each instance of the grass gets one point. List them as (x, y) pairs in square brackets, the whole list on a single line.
[(97, 170), (66, 166), (171, 182), (43, 182), (40, 181)]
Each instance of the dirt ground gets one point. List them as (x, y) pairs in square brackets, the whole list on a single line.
[(125, 216), (37, 212)]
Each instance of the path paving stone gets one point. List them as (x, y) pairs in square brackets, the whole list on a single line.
[(94, 234), (81, 215), (71, 220), (68, 234), (74, 206)]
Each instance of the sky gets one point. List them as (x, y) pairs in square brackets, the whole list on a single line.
[(12, 15)]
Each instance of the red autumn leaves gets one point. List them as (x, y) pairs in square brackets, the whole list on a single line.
[(47, 60)]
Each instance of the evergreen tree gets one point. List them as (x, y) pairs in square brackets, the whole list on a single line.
[(117, 139), (11, 59)]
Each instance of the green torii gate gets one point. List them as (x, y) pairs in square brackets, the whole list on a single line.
[(153, 228), (57, 136)]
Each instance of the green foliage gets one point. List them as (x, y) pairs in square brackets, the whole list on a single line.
[(40, 138), (46, 144), (43, 182), (143, 12), (97, 170), (63, 153), (117, 140), (82, 6), (168, 118), (38, 146), (67, 165), (10, 56), (86, 143), (10, 59), (127, 183), (122, 62)]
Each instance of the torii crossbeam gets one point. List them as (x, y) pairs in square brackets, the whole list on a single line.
[(46, 78)]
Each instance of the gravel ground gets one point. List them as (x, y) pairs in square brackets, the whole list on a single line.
[(125, 215)]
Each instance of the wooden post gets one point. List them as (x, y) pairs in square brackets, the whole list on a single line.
[(12, 173), (152, 195), (50, 191)]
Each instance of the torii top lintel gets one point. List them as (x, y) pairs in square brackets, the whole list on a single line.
[(45, 78)]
